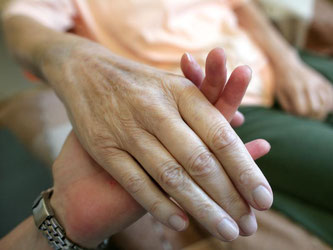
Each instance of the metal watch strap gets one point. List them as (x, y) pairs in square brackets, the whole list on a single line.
[(46, 222)]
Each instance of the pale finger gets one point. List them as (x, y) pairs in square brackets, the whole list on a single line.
[(217, 134), (202, 166), (175, 181), (137, 183)]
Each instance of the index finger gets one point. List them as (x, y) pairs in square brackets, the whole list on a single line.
[(207, 122)]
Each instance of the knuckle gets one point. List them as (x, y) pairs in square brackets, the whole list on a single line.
[(134, 184), (232, 202), (223, 137), (246, 175), (172, 176), (156, 207), (203, 210), (101, 140), (186, 82), (202, 164)]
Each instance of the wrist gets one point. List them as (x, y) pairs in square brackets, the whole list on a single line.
[(62, 214), (25, 236), (289, 59), (64, 62), (48, 223), (53, 55)]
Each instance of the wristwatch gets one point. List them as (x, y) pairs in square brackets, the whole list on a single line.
[(46, 221)]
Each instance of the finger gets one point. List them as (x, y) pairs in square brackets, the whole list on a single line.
[(330, 97), (216, 75), (237, 120), (234, 91), (172, 177), (301, 104), (132, 177), (285, 101), (203, 167), (217, 134), (258, 148), (324, 96), (315, 109), (191, 69)]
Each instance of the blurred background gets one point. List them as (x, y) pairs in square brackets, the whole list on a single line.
[(304, 23), (34, 175)]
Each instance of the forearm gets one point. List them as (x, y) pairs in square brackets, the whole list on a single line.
[(264, 34), (51, 55), (29, 41), (25, 236)]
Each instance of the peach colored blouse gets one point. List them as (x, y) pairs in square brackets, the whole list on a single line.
[(158, 32)]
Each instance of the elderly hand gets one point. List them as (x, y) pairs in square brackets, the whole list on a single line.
[(138, 122), (90, 204), (303, 91)]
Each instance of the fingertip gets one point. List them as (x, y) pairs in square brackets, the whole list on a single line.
[(248, 69), (188, 57), (262, 197), (244, 72), (191, 69), (178, 222), (265, 145), (248, 224), (237, 120), (215, 59)]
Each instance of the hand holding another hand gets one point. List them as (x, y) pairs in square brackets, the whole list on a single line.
[(135, 120)]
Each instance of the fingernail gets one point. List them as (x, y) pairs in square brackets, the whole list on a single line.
[(189, 57), (228, 229), (262, 197), (248, 224), (177, 222), (249, 69)]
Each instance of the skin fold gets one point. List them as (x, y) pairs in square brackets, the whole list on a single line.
[(84, 193), (134, 119), (135, 122)]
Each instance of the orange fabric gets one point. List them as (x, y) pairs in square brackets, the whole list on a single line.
[(158, 32)]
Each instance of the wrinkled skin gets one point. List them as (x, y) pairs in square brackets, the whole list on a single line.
[(91, 204), (134, 119)]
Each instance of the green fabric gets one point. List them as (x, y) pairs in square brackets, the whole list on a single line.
[(300, 164)]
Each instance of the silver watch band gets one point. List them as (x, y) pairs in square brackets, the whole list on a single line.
[(46, 222), (56, 235)]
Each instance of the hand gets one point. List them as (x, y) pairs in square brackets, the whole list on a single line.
[(303, 91), (134, 120), (226, 96), (87, 201), (84, 193), (213, 86)]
